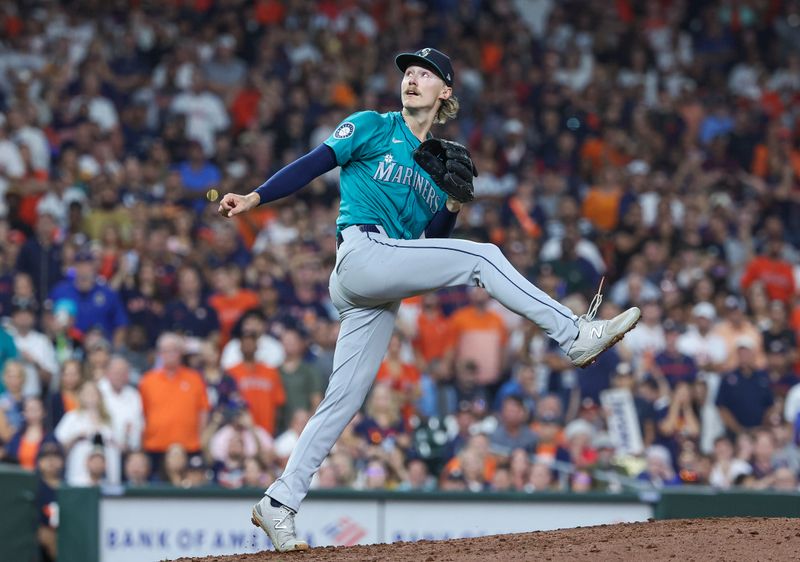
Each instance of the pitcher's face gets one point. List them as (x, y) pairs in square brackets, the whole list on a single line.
[(421, 88)]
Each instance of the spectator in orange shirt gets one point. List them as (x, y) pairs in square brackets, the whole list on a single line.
[(601, 205), (230, 300), (174, 402), (771, 158), (245, 103), (433, 332), (23, 447), (491, 56), (610, 150), (480, 335), (259, 385), (402, 377), (550, 433), (479, 445), (774, 273)]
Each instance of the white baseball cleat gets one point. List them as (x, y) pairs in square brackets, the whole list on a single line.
[(596, 336), (278, 523)]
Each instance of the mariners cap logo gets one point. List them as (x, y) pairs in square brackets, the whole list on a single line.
[(344, 130), (430, 58)]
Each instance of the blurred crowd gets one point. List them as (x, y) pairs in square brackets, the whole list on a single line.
[(654, 144)]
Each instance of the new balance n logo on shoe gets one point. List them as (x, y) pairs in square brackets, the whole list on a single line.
[(278, 522), (597, 331)]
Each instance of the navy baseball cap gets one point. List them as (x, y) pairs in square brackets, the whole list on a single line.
[(84, 255), (429, 58), (50, 448)]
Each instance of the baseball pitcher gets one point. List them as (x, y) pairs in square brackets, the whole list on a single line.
[(401, 190)]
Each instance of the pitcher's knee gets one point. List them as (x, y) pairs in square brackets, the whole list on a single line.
[(491, 252), (490, 260)]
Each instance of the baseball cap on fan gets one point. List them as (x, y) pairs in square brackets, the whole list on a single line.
[(745, 342), (428, 58), (704, 310)]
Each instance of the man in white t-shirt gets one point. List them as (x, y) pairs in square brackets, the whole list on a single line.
[(101, 110), (124, 404), (12, 165), (23, 133), (205, 113), (700, 343), (269, 350), (709, 352)]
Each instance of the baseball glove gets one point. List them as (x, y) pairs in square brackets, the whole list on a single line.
[(449, 165)]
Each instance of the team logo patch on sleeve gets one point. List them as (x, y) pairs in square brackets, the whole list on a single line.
[(344, 130)]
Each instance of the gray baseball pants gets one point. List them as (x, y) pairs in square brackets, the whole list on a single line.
[(373, 273)]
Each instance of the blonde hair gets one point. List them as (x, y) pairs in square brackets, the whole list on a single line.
[(447, 110), (101, 405), (392, 411)]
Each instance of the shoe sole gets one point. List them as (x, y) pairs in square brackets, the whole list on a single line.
[(611, 344), (255, 521)]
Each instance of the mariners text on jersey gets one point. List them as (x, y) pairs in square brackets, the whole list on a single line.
[(389, 170)]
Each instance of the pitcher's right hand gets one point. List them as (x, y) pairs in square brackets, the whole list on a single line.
[(233, 204)]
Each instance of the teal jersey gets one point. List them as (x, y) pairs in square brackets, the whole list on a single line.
[(379, 182)]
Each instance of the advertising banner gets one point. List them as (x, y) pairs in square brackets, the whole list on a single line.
[(152, 528)]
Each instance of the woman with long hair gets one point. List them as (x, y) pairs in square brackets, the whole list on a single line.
[(66, 399), (175, 466), (83, 429), (24, 446), (383, 424)]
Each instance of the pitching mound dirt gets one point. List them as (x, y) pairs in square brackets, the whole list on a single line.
[(735, 539)]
